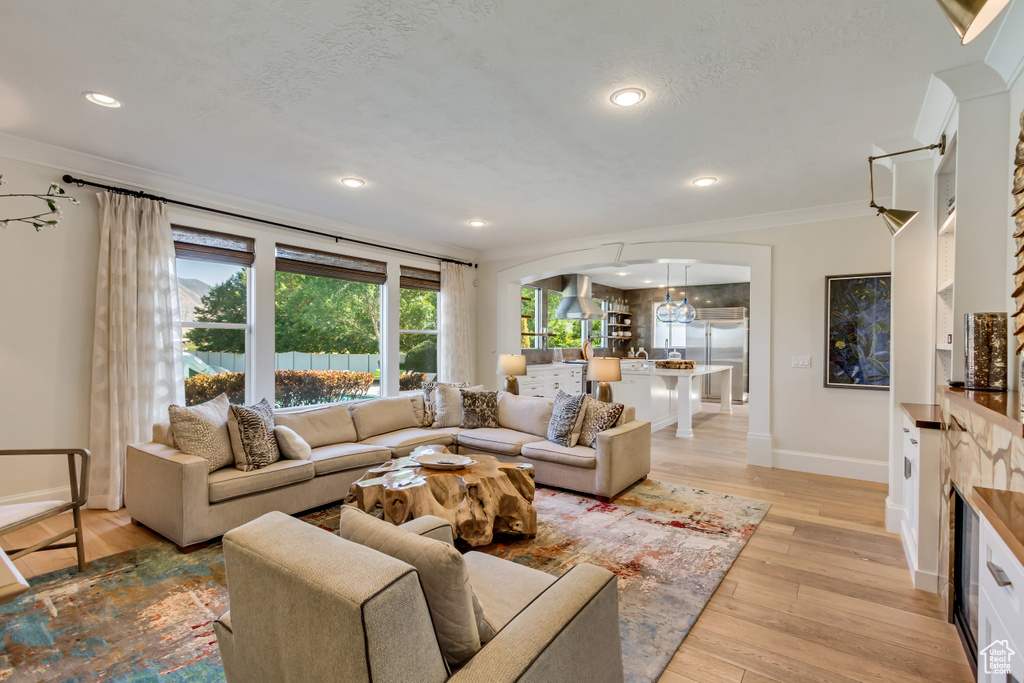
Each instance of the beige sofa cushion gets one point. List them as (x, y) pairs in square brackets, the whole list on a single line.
[(347, 456), (320, 426), (524, 413), (577, 456), (291, 445), (402, 442), (229, 482), (442, 573), (503, 588), (504, 441), (628, 415), (383, 415)]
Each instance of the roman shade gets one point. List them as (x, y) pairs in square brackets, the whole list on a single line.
[(206, 245), (418, 278), (303, 261)]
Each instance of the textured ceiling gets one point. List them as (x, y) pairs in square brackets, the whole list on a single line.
[(461, 109)]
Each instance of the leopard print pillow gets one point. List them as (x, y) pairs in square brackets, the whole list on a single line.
[(252, 436), (479, 409), (600, 416)]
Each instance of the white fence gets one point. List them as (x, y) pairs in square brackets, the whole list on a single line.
[(235, 362)]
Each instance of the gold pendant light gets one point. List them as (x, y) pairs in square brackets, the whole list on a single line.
[(971, 17)]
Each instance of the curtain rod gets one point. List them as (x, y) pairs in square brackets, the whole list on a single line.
[(337, 238)]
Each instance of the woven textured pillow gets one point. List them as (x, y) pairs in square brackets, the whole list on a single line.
[(202, 430), (252, 436), (479, 409), (599, 417), (448, 405), (564, 415), (430, 399)]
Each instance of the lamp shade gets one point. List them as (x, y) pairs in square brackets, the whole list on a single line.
[(896, 219), (604, 370), (971, 17), (511, 364)]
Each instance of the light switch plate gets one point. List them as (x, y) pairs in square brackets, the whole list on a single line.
[(802, 362)]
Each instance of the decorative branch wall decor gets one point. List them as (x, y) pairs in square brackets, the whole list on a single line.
[(1018, 235), (48, 218)]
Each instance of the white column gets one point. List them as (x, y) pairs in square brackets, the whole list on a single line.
[(391, 296), (684, 406), (726, 406), (260, 352)]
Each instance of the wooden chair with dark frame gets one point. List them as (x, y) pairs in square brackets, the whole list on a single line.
[(20, 515)]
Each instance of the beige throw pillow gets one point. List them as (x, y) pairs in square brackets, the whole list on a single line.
[(443, 575), (202, 430), (292, 446), (449, 405), (430, 399)]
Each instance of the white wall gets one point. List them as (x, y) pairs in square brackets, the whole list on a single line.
[(833, 431), (48, 280)]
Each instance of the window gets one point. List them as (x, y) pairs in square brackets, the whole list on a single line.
[(327, 327), (213, 301), (667, 335), (596, 328), (530, 318), (417, 322), (562, 334)]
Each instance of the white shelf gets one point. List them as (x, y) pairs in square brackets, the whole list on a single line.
[(944, 347), (945, 286), (949, 226)]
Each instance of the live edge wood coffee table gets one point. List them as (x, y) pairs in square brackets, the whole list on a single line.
[(479, 500)]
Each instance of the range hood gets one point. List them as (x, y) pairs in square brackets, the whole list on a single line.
[(576, 302)]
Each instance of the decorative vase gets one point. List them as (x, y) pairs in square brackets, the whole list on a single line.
[(985, 348)]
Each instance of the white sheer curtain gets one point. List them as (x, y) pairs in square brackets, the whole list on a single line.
[(454, 351), (136, 357)]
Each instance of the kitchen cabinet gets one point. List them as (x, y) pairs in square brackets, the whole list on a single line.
[(546, 380), (919, 528), (1000, 615)]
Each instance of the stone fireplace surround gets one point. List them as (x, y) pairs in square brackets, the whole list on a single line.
[(982, 445)]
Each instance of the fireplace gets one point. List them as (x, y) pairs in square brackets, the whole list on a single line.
[(965, 574)]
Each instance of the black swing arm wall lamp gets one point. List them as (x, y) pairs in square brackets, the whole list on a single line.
[(896, 219)]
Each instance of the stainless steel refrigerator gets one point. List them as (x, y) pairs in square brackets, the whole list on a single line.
[(719, 336)]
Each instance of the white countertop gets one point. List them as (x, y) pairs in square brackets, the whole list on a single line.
[(699, 370)]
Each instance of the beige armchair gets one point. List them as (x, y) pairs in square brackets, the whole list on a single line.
[(20, 515), (309, 606)]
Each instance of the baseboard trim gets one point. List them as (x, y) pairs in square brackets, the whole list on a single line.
[(831, 465), (58, 493), (759, 449), (893, 516)]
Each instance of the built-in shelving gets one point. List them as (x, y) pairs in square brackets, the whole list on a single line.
[(945, 286), (949, 226)]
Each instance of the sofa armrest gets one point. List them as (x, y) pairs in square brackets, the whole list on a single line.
[(165, 489), (568, 633), (623, 457), (431, 527)]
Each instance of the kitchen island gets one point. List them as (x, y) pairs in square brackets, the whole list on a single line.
[(664, 396)]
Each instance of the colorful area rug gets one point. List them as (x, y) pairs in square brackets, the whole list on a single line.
[(148, 613)]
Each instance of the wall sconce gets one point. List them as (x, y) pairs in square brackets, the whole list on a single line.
[(971, 17), (896, 219)]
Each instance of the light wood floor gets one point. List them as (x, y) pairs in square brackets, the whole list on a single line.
[(820, 593)]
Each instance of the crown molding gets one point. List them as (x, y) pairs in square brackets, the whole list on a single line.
[(767, 221), (1006, 54), (116, 173)]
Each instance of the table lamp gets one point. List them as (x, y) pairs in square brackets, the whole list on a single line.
[(510, 365), (602, 371)]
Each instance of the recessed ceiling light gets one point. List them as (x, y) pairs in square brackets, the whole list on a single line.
[(478, 224), (647, 282), (352, 182), (704, 182), (101, 99), (622, 273), (627, 97)]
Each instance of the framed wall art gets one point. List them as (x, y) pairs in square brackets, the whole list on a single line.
[(857, 330)]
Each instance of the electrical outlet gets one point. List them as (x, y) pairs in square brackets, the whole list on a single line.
[(802, 362)]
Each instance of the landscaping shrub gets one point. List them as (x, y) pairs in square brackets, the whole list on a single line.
[(409, 381), (292, 387)]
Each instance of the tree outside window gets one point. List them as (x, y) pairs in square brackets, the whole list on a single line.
[(562, 334), (417, 340), (530, 318)]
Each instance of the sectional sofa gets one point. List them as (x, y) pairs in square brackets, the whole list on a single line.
[(173, 493)]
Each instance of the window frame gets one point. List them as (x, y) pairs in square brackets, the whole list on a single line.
[(539, 341)]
